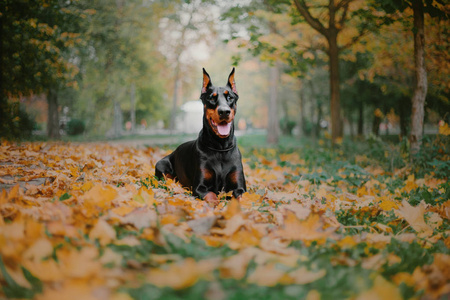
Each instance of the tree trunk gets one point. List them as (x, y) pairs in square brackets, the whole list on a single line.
[(117, 122), (420, 87), (301, 121), (376, 125), (173, 114), (402, 111), (53, 117), (319, 118), (336, 123), (133, 107), (361, 119), (274, 124)]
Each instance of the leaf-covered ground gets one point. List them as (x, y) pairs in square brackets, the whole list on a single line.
[(88, 221)]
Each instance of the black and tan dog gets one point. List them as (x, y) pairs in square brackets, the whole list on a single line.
[(212, 163)]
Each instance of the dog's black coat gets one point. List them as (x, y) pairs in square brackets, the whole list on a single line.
[(212, 162)]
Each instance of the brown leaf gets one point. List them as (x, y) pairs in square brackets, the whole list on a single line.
[(202, 226)]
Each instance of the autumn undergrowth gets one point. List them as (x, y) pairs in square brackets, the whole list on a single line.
[(355, 221)]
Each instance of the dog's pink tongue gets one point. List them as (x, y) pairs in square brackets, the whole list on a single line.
[(224, 129)]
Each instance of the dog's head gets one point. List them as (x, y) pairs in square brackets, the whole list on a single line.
[(219, 104)]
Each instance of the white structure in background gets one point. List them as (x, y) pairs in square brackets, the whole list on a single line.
[(190, 119)]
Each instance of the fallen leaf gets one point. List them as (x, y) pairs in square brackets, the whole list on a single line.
[(303, 276), (414, 216), (309, 229), (381, 289), (103, 232)]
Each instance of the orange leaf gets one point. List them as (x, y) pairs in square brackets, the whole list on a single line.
[(181, 274), (100, 196), (103, 232), (310, 229), (266, 275), (233, 208)]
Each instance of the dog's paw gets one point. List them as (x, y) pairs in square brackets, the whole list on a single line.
[(211, 199)]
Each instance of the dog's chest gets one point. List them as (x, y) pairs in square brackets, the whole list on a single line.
[(220, 166)]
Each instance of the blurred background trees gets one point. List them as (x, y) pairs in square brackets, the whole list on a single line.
[(307, 68)]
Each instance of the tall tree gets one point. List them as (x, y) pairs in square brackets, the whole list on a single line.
[(338, 16), (420, 74), (436, 8), (37, 39)]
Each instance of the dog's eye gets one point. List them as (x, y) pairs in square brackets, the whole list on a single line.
[(230, 98), (212, 99)]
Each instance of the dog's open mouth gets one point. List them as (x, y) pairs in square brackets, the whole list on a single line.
[(222, 129)]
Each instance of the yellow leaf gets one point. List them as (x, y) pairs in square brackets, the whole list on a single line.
[(80, 264), (387, 204), (303, 276), (178, 275), (45, 270), (347, 242), (122, 210), (169, 219), (410, 184), (87, 186), (309, 229), (100, 196), (236, 266), (414, 216), (233, 208), (266, 275), (444, 129), (250, 200), (313, 295), (381, 290), (103, 232), (231, 227), (39, 250)]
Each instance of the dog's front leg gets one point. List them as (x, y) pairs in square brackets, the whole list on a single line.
[(236, 183), (164, 168), (204, 191)]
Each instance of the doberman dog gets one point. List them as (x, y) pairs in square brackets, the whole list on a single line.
[(211, 163)]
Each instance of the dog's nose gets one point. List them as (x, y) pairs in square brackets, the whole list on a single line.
[(224, 112)]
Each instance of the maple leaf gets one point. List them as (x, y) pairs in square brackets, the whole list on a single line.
[(181, 274), (303, 276), (103, 232), (414, 217), (309, 229), (266, 275)]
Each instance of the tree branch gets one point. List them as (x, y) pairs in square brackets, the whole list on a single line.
[(315, 23), (344, 15), (343, 3), (355, 39), (361, 34)]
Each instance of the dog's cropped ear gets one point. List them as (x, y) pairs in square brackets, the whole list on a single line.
[(231, 83), (206, 81)]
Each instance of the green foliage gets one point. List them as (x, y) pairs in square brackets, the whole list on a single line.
[(433, 157), (150, 292), (37, 37), (287, 126), (195, 248), (14, 290), (412, 255), (431, 196), (75, 127), (15, 122)]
